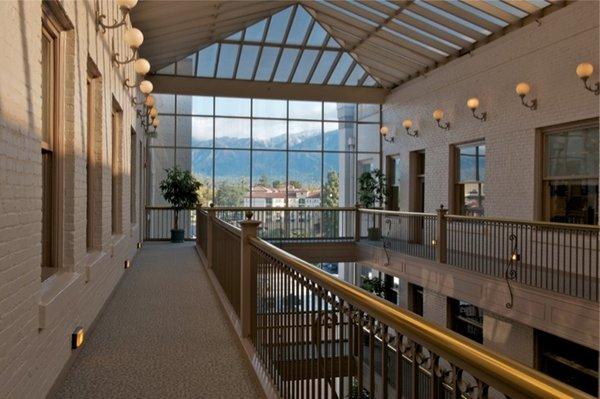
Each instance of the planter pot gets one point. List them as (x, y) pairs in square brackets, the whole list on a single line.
[(177, 235), (374, 234)]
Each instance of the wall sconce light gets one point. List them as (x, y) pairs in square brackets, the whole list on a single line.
[(77, 337), (141, 66), (127, 264), (384, 133), (473, 104), (149, 102), (155, 123), (438, 114), (125, 6), (522, 90), (134, 38), (407, 124), (153, 113), (434, 242), (584, 71), (146, 87)]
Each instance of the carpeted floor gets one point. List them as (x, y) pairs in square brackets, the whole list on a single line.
[(162, 335)]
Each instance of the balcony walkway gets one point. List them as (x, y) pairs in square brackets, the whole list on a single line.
[(162, 335)]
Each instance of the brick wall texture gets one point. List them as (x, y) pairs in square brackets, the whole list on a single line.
[(37, 318)]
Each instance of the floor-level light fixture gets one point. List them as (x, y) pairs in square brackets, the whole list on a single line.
[(134, 38), (438, 114), (125, 6), (584, 71), (77, 337), (473, 104), (385, 131), (141, 66), (522, 90), (407, 124)]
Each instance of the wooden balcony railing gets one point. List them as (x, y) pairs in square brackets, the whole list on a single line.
[(317, 336)]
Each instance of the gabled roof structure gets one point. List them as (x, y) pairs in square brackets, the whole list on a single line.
[(370, 46)]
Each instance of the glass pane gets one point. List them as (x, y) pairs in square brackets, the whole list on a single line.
[(255, 32), (572, 201), (368, 137), (232, 133), (467, 164), (232, 177), (229, 106), (269, 108), (305, 65), (305, 109), (186, 66), (286, 64), (165, 103), (304, 135), (370, 82), (47, 89), (305, 179), (168, 70), (247, 62), (159, 159), (355, 76), (200, 163), (267, 63), (367, 163), (268, 178), (207, 59), (368, 112), (236, 36), (472, 199), (323, 67), (317, 36), (194, 105), (268, 133), (572, 153), (340, 167), (340, 111), (165, 133), (341, 69), (194, 131), (278, 26), (227, 60), (299, 26), (340, 136), (332, 43)]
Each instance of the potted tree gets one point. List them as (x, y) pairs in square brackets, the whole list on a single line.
[(372, 191), (180, 189)]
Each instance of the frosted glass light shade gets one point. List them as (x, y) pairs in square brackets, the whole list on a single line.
[(156, 122), (584, 70), (384, 131), (133, 37), (438, 114), (407, 123), (149, 101), (153, 113), (127, 4), (473, 103), (146, 87), (523, 89), (141, 66)]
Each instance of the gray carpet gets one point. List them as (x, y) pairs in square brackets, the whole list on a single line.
[(162, 335)]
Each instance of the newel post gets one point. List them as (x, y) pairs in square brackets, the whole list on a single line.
[(441, 235), (210, 242), (249, 229), (357, 222)]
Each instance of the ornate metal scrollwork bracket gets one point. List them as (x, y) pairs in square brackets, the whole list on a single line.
[(511, 273)]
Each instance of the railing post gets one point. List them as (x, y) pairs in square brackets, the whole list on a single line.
[(198, 209), (357, 222), (441, 235), (209, 236), (249, 229)]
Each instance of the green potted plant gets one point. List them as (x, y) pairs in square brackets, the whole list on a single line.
[(375, 285), (372, 191), (180, 189)]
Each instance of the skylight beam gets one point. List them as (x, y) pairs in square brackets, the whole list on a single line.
[(285, 38), (260, 50), (237, 61)]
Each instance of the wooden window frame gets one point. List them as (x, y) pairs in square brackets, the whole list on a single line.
[(117, 135), (94, 158), (457, 197)]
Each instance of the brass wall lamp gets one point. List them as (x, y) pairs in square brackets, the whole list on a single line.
[(125, 6), (407, 124), (438, 114), (584, 71), (522, 90), (141, 66), (473, 104), (134, 38), (385, 132)]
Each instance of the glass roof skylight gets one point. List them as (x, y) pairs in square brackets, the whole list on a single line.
[(289, 46)]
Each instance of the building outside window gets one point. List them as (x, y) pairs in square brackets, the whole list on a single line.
[(465, 319), (570, 174), (470, 177)]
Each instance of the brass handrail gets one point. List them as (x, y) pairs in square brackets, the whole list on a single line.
[(508, 376)]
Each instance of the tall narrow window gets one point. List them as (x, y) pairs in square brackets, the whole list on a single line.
[(50, 59), (470, 176), (417, 181), (93, 164), (133, 179), (465, 319), (117, 175), (570, 174)]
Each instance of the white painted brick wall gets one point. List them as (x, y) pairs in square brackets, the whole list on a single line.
[(30, 358)]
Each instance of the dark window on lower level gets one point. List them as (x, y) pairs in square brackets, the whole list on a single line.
[(567, 361), (466, 319), (415, 293)]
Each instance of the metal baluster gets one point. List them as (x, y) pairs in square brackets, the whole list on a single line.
[(384, 359)]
